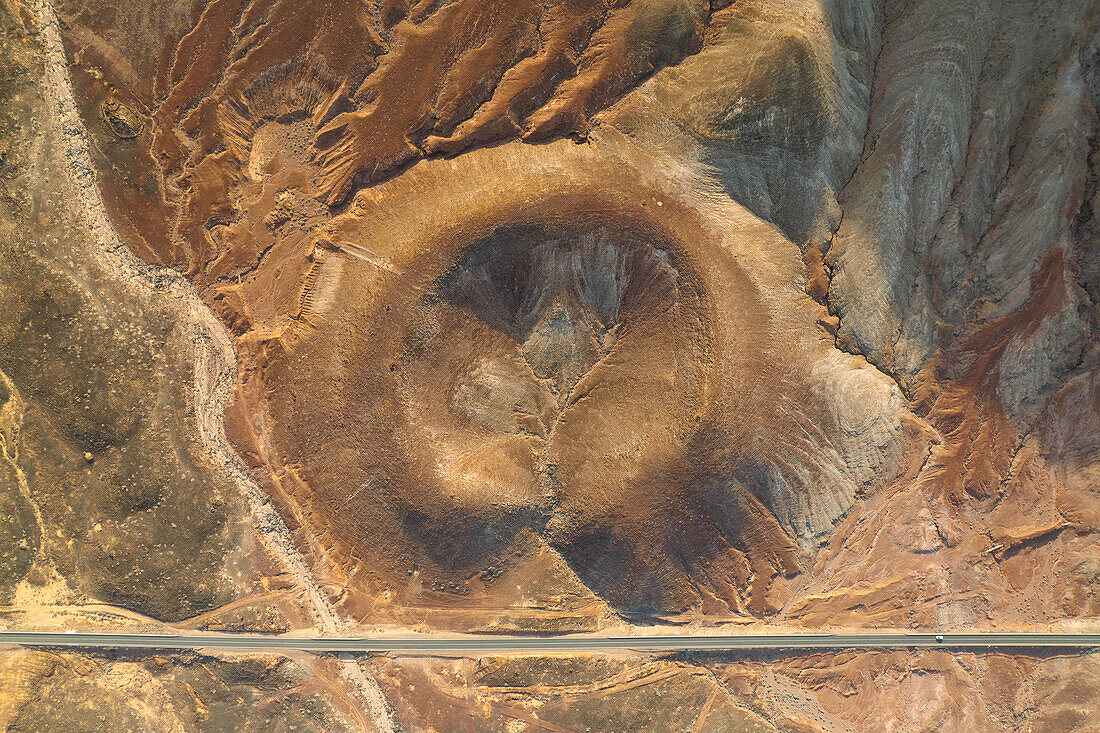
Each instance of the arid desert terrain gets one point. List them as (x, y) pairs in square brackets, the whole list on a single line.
[(353, 317)]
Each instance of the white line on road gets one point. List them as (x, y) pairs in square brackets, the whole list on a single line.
[(569, 643)]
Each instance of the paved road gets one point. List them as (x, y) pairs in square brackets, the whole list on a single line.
[(574, 643)]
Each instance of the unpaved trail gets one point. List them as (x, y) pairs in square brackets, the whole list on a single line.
[(213, 357)]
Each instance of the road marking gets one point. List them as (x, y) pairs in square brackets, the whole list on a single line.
[(567, 643)]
